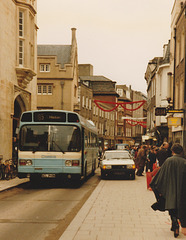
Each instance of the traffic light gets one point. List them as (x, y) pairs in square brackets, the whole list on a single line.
[(160, 111)]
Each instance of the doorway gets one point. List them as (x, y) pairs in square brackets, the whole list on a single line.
[(19, 107)]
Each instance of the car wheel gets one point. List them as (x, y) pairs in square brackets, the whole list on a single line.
[(132, 176), (103, 175)]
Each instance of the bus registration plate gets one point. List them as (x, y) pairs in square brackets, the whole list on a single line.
[(48, 175)]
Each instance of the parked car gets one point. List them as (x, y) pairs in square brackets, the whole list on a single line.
[(122, 146), (117, 162)]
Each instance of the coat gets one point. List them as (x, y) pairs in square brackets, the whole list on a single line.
[(169, 183)]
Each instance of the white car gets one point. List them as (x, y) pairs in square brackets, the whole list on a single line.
[(117, 162)]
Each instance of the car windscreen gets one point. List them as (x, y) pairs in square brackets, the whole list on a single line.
[(117, 155)]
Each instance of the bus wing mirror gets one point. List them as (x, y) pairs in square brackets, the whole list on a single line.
[(17, 131)]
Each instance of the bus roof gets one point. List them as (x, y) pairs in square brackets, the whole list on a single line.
[(56, 116)]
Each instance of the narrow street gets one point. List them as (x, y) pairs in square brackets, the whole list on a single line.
[(41, 212)]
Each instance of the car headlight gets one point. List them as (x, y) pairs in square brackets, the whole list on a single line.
[(25, 162), (131, 166), (107, 167)]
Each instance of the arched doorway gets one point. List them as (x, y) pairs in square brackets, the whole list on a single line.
[(19, 107)]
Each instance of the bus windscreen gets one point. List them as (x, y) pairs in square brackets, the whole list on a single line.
[(54, 138)]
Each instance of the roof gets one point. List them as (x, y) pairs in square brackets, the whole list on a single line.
[(166, 58), (95, 78), (103, 87), (63, 52), (100, 85)]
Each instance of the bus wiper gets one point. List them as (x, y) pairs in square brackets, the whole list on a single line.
[(35, 149), (58, 146)]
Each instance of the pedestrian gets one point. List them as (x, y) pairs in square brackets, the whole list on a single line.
[(151, 159), (133, 150), (168, 186), (141, 160), (163, 153)]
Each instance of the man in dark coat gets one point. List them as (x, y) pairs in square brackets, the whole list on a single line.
[(163, 153), (168, 188)]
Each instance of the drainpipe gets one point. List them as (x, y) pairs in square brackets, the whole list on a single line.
[(174, 81), (62, 85)]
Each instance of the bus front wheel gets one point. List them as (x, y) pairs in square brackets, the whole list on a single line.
[(85, 173), (35, 179)]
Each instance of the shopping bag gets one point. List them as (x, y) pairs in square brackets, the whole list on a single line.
[(148, 178), (154, 165)]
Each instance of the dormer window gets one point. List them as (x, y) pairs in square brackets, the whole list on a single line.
[(120, 92)]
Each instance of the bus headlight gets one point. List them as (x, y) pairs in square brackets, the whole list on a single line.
[(25, 162), (70, 163)]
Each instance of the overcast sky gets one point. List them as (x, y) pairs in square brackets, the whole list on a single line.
[(118, 37)]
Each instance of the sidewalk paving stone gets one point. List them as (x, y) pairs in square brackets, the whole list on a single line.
[(7, 184), (119, 210)]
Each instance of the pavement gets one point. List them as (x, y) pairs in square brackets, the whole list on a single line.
[(116, 210), (120, 210), (7, 184)]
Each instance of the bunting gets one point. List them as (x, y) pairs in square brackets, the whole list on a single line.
[(131, 122), (116, 105)]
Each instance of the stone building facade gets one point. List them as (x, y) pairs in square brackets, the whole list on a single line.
[(18, 67), (57, 79), (102, 89), (179, 81), (158, 78), (124, 129), (141, 114)]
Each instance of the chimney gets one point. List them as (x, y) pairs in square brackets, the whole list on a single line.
[(73, 34)]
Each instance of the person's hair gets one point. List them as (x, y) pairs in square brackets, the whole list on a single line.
[(177, 148)]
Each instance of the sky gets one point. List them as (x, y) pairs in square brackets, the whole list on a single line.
[(117, 37)]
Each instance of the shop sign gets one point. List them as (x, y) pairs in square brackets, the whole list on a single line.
[(174, 121)]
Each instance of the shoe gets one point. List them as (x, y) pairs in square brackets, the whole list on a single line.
[(175, 227), (176, 232)]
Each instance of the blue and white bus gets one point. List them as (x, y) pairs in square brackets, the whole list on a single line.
[(56, 144)]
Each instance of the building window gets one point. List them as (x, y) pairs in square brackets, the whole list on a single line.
[(182, 46), (44, 67), (120, 92), (87, 102), (44, 89), (79, 94), (50, 89), (83, 101), (90, 104), (94, 110), (39, 89), (128, 132), (128, 94), (21, 24), (21, 52), (21, 38), (177, 52), (119, 131)]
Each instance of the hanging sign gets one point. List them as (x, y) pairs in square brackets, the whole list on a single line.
[(174, 121)]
